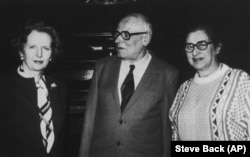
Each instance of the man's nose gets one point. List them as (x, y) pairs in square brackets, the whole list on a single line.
[(118, 39)]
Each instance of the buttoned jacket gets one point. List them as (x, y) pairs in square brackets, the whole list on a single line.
[(142, 129)]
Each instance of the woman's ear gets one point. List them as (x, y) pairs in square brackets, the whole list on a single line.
[(218, 48)]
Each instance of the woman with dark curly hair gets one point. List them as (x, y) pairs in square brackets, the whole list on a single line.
[(32, 104), (214, 105)]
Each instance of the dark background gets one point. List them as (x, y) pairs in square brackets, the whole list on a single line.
[(82, 27), (75, 20)]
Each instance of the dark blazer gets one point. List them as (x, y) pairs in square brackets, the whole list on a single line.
[(19, 120), (143, 128)]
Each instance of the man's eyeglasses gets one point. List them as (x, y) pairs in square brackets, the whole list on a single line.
[(126, 35), (200, 45)]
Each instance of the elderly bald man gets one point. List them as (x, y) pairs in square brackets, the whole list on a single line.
[(130, 95)]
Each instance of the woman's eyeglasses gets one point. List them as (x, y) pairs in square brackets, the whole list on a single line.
[(200, 45), (126, 35)]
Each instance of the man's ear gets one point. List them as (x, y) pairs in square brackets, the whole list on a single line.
[(146, 39)]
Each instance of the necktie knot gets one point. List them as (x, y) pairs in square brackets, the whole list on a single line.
[(132, 67)]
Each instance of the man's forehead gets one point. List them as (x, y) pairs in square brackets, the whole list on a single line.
[(131, 23)]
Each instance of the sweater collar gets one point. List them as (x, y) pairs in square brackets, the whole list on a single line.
[(217, 74)]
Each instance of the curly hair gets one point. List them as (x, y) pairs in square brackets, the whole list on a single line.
[(211, 32), (37, 25)]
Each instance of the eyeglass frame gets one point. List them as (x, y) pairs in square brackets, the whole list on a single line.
[(197, 45), (116, 34)]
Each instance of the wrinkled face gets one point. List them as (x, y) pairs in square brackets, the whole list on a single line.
[(201, 60), (132, 49), (36, 52)]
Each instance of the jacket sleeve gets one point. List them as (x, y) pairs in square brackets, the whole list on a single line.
[(89, 117), (171, 88)]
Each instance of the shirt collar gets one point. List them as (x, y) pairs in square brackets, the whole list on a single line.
[(138, 63)]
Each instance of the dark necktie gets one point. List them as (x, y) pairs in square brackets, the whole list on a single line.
[(127, 88)]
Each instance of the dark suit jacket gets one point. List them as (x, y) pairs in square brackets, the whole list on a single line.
[(143, 128), (19, 120)]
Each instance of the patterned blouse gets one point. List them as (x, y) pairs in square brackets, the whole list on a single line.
[(224, 114)]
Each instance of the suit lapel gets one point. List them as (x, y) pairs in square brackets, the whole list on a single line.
[(114, 78), (144, 84)]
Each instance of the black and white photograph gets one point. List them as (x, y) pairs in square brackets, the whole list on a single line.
[(124, 78)]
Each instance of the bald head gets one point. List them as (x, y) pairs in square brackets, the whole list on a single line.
[(138, 21), (133, 34)]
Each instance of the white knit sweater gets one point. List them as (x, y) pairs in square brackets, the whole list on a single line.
[(213, 108), (194, 114)]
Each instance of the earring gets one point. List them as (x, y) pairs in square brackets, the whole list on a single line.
[(22, 58)]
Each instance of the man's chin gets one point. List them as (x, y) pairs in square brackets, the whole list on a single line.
[(120, 53)]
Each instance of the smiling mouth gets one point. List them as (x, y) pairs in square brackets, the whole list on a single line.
[(197, 59)]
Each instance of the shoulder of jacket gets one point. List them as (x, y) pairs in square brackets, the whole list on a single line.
[(162, 64)]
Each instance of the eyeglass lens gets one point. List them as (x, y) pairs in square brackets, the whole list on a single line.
[(200, 45), (126, 35)]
